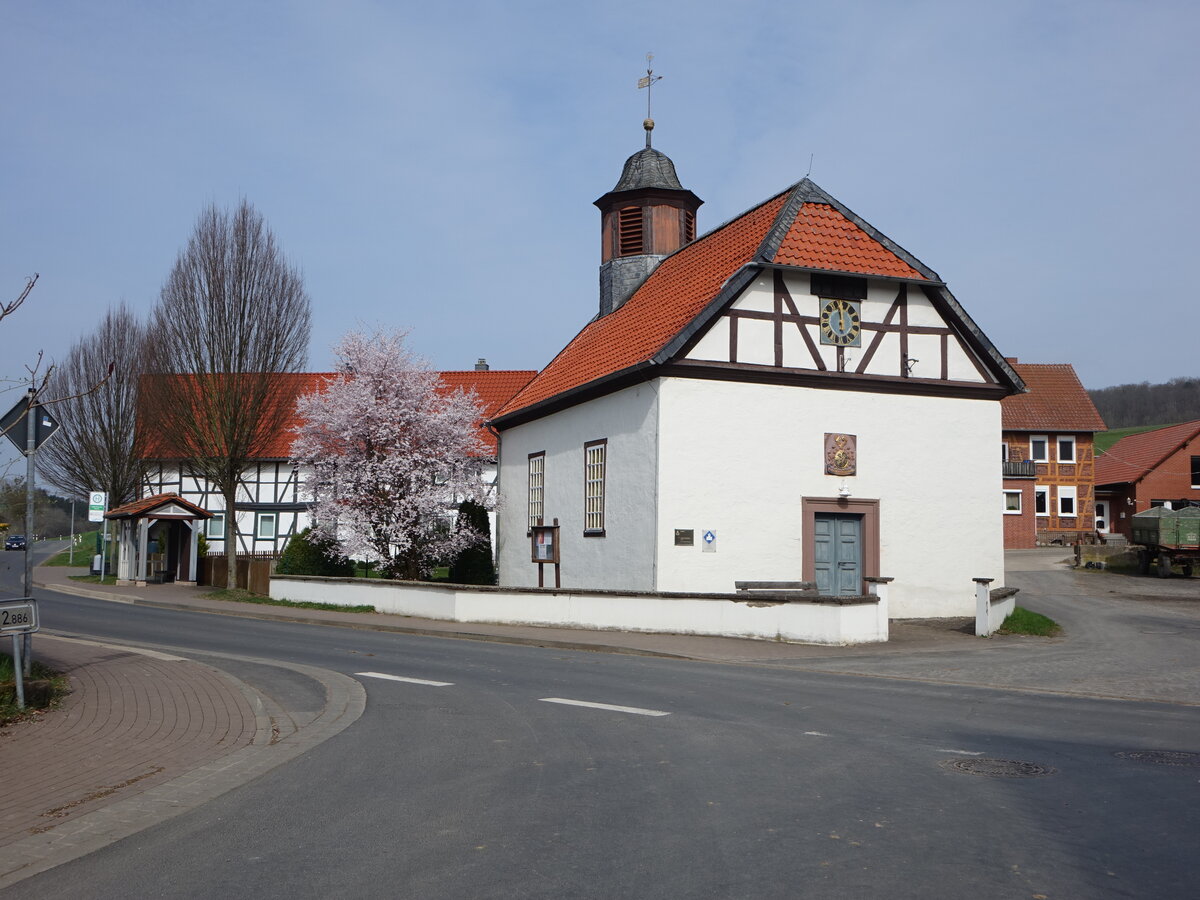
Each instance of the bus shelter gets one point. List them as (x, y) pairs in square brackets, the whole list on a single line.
[(157, 539)]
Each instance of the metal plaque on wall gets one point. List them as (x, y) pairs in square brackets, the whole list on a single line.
[(841, 454)]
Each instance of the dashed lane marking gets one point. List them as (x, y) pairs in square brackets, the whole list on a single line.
[(407, 680), (961, 752), (635, 710)]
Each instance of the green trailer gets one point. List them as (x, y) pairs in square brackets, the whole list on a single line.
[(1167, 537)]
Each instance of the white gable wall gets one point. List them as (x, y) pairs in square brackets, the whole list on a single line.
[(623, 559), (739, 458)]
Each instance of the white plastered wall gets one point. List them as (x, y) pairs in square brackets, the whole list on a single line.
[(739, 458), (623, 559)]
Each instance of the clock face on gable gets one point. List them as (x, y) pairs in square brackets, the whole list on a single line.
[(841, 323)]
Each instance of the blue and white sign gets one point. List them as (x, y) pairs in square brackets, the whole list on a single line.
[(709, 540)]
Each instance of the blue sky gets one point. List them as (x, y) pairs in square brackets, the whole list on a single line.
[(433, 166)]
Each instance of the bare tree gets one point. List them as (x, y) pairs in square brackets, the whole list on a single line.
[(98, 447), (232, 314), (13, 305)]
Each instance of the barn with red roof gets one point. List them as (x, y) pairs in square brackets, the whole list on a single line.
[(790, 397), (1152, 468)]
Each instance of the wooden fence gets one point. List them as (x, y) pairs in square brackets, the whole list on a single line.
[(253, 571)]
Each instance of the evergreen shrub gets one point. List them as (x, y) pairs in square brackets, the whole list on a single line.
[(312, 554)]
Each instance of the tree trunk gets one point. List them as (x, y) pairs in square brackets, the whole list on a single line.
[(230, 495)]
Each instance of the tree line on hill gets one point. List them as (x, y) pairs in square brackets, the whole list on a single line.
[(1129, 405)]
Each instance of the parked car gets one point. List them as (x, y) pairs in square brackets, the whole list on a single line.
[(15, 542)]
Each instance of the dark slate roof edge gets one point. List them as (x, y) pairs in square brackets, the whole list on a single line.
[(733, 286), (597, 387), (976, 337), (813, 193), (782, 224)]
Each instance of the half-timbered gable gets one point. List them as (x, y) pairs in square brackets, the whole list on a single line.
[(789, 397)]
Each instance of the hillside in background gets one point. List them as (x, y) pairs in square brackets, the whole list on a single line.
[(1130, 405)]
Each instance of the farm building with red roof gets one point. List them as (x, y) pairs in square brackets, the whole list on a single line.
[(790, 397), (1152, 468)]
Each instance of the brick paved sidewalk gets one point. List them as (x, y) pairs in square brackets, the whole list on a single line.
[(133, 719)]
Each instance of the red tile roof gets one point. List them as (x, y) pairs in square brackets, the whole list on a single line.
[(1056, 401), (673, 295), (1135, 455), (802, 226), (146, 504), (492, 387), (822, 237)]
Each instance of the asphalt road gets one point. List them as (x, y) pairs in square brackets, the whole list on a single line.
[(715, 781)]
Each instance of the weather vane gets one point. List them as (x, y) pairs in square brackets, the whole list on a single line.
[(647, 81)]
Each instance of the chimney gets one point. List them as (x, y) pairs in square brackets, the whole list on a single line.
[(481, 365)]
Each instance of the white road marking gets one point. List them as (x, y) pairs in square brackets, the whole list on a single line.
[(817, 733), (637, 711), (962, 752), (408, 680)]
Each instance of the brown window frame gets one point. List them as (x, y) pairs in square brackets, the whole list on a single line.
[(603, 482), (531, 520)]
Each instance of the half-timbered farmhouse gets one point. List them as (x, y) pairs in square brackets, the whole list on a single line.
[(1047, 452), (791, 397), (271, 500)]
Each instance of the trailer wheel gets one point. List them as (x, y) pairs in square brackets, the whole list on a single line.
[(1164, 565), (1143, 561), (1187, 570)]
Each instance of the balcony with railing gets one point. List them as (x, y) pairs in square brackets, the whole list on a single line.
[(1024, 468)]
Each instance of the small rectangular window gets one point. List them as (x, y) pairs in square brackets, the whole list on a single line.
[(1041, 501), (216, 526), (264, 528), (1067, 501), (1066, 448), (1196, 471), (594, 470), (1039, 448), (1004, 452), (537, 488), (1012, 503)]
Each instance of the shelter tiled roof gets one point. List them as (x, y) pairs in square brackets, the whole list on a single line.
[(1135, 455), (1056, 401), (147, 504), (801, 226)]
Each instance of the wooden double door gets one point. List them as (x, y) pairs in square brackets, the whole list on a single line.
[(838, 553)]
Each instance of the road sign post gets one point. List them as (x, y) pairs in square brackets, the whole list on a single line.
[(28, 425), (19, 618)]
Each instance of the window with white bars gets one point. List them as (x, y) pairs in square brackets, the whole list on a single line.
[(594, 466), (537, 487)]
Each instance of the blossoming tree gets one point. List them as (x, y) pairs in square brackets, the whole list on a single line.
[(392, 452)]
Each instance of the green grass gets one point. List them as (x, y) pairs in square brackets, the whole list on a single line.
[(1022, 621), (241, 596), (94, 579), (44, 689), (1106, 439), (85, 549)]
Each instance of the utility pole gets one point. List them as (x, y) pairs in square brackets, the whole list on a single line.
[(30, 447)]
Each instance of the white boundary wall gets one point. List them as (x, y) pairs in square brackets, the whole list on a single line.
[(845, 621)]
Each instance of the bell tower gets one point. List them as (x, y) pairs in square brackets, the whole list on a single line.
[(645, 218)]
